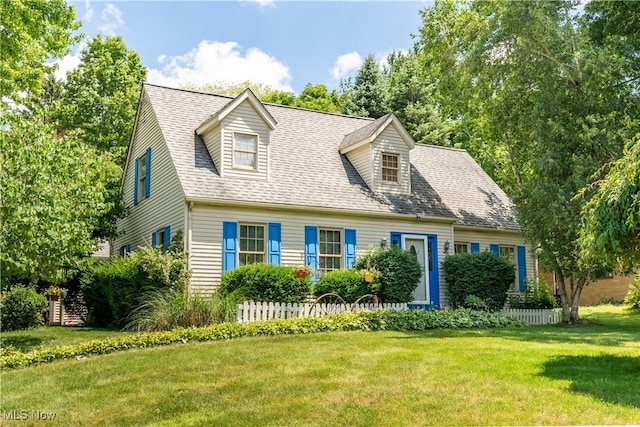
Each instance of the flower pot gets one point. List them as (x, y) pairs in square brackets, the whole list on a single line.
[(301, 274), (368, 277), (54, 297)]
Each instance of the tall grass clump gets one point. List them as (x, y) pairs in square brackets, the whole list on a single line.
[(167, 309)]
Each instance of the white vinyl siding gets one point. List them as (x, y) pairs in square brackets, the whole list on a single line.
[(389, 141), (361, 159), (212, 141), (165, 206), (245, 120), (206, 244)]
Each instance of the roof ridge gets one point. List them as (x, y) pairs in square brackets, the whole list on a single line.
[(231, 98)]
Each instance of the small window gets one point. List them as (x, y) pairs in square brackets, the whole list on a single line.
[(508, 252), (160, 239), (330, 250), (252, 245), (123, 251), (142, 177), (460, 248), (389, 167), (244, 150)]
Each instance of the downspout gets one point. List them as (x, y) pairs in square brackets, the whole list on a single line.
[(188, 234)]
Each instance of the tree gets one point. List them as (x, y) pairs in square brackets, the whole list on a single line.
[(540, 108), (32, 32), (365, 97), (410, 97), (317, 97), (53, 196), (101, 95), (612, 216)]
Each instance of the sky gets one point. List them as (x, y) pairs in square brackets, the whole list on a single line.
[(283, 44)]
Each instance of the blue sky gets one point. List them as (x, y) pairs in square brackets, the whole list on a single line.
[(285, 44)]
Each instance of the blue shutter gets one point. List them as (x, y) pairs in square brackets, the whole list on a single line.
[(147, 178), (229, 245), (135, 182), (349, 248), (128, 249), (167, 236), (153, 239), (275, 238), (494, 249), (475, 247), (311, 248), (396, 239), (522, 267)]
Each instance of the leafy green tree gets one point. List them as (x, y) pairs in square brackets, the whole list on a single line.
[(612, 216), (365, 96), (53, 197), (101, 95), (540, 107), (410, 97), (32, 31), (317, 97)]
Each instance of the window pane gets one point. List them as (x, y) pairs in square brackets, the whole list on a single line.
[(245, 142)]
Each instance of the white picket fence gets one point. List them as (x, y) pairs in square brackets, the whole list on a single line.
[(536, 317), (250, 311)]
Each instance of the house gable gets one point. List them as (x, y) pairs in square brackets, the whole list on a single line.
[(238, 136), (380, 153)]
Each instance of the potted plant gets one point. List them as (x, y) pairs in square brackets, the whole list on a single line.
[(302, 271), (54, 293)]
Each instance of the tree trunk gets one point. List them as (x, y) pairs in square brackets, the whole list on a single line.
[(570, 303)]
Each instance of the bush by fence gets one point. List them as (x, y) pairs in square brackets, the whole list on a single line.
[(482, 275), (265, 282)]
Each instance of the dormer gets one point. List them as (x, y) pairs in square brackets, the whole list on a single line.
[(380, 153), (238, 136)]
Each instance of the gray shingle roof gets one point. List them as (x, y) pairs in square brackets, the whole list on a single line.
[(363, 132), (308, 171)]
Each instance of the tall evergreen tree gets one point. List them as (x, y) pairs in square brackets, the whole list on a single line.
[(365, 97)]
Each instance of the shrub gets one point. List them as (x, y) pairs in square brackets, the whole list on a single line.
[(349, 284), (633, 296), (535, 296), (22, 308), (480, 274), (167, 309), (399, 270), (111, 289), (265, 283)]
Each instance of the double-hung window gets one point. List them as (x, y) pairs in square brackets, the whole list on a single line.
[(251, 244), (389, 167), (245, 148), (330, 250), (142, 176), (508, 252), (460, 248)]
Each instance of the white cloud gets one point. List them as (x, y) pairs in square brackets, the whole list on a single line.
[(263, 3), (68, 62), (214, 61), (345, 65), (111, 20), (88, 14)]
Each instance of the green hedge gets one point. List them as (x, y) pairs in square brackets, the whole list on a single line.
[(22, 308), (399, 270), (406, 320), (349, 284), (482, 275), (266, 283)]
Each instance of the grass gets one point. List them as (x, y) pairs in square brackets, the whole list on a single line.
[(552, 375), (47, 336)]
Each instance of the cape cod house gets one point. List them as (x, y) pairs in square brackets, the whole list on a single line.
[(252, 182)]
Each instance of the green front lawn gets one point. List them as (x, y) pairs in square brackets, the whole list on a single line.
[(543, 375)]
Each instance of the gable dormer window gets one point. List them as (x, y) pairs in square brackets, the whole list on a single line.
[(389, 167), (244, 150)]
